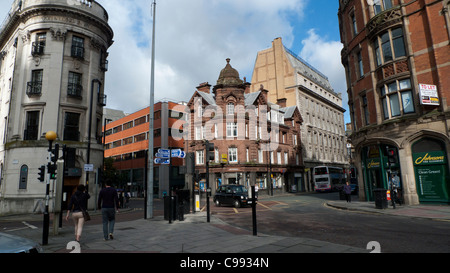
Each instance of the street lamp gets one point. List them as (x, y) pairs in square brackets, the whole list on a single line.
[(50, 136)]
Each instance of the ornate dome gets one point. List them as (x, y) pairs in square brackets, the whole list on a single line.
[(229, 76)]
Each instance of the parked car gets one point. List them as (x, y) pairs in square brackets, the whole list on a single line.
[(235, 195), (14, 244)]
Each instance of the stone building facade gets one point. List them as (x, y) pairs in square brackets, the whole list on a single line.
[(397, 60), (255, 142), (53, 59), (293, 81)]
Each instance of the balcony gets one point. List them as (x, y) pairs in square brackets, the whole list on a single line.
[(384, 20), (77, 52), (101, 100), (104, 65), (75, 90), (34, 88), (37, 48)]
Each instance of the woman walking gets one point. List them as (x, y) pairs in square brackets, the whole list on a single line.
[(78, 203)]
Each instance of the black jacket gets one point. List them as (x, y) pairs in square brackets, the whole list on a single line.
[(78, 201)]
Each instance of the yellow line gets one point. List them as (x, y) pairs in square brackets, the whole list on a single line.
[(235, 210), (264, 206)]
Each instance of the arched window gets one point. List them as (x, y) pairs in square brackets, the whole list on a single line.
[(428, 145), (23, 180)]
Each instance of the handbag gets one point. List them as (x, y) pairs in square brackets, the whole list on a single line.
[(86, 215)]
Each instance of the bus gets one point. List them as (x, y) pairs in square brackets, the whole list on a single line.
[(328, 178)]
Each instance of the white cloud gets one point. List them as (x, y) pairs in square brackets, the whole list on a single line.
[(193, 39)]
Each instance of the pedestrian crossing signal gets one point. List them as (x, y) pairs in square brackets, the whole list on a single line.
[(41, 174)]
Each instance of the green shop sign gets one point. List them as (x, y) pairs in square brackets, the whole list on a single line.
[(431, 176)]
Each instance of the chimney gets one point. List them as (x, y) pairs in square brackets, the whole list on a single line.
[(282, 102), (264, 92), (204, 87), (247, 86)]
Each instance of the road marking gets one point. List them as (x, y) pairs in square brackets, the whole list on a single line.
[(264, 206), (235, 210), (29, 225)]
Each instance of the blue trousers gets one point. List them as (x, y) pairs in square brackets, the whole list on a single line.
[(109, 219)]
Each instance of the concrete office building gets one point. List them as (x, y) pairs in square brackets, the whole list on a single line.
[(292, 80), (53, 59), (126, 142)]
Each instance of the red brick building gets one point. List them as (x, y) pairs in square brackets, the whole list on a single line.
[(250, 145), (397, 60), (126, 142)]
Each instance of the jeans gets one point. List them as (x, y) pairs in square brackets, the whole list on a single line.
[(109, 219)]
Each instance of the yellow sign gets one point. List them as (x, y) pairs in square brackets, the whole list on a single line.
[(429, 159), (373, 164), (224, 158)]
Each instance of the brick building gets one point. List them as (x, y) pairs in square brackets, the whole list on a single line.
[(126, 142), (397, 60), (253, 138)]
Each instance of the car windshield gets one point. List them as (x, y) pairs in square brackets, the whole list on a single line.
[(240, 189)]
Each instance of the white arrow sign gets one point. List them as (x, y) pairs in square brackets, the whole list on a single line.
[(178, 153)]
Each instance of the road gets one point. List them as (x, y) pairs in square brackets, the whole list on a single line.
[(307, 216)]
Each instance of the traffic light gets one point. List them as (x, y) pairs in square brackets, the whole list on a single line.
[(52, 167), (391, 155), (209, 151), (41, 173), (55, 154)]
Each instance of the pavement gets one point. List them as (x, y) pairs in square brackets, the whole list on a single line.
[(195, 235)]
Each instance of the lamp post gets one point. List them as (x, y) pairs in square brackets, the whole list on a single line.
[(50, 136), (149, 190)]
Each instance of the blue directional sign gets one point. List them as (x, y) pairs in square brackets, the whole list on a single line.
[(178, 153), (163, 153), (162, 160)]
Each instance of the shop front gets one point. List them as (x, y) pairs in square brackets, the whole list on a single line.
[(378, 166), (431, 171)]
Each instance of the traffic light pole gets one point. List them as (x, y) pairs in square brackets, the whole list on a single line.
[(47, 196), (208, 192), (209, 156)]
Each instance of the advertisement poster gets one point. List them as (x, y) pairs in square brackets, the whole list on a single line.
[(428, 94), (431, 176)]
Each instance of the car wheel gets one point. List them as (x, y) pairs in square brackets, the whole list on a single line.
[(217, 203), (237, 204)]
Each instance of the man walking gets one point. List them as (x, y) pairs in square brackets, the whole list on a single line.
[(108, 203)]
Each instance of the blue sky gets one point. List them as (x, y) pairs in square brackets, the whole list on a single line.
[(193, 39)]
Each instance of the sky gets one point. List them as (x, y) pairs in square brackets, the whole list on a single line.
[(194, 38)]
